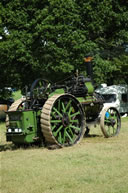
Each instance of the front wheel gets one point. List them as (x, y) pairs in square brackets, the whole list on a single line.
[(110, 122)]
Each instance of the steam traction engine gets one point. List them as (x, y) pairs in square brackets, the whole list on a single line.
[(44, 116)]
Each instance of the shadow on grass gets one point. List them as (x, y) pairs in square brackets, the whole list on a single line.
[(6, 147), (92, 136), (12, 147)]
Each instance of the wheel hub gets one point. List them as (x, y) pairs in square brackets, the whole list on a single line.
[(113, 122), (65, 120)]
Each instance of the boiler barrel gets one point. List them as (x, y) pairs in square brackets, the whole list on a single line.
[(90, 87)]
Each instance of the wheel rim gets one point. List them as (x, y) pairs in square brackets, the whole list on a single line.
[(111, 122), (66, 120)]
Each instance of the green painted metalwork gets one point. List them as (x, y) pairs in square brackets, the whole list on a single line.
[(57, 91), (23, 126), (90, 87)]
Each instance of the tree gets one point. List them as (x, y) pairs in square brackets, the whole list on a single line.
[(50, 38), (42, 39), (106, 24)]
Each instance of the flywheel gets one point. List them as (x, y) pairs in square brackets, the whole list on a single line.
[(62, 120)]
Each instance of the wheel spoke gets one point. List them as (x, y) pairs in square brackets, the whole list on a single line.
[(53, 114), (114, 116), (69, 103), (73, 121), (71, 131), (108, 130), (107, 121), (69, 136), (55, 133), (60, 138), (70, 110), (74, 114), (74, 127), (114, 129), (53, 127), (55, 121), (57, 112), (64, 109)]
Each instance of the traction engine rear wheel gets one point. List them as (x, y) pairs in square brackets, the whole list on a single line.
[(110, 122), (62, 120), (17, 105)]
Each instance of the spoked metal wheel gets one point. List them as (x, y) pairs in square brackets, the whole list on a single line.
[(110, 122), (62, 120)]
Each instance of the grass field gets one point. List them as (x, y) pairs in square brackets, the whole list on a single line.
[(96, 165)]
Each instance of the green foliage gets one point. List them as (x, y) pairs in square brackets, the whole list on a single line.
[(106, 24), (103, 70), (5, 94), (111, 71), (16, 95), (50, 38), (121, 70)]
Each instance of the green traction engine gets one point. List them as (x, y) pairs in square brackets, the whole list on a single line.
[(45, 117)]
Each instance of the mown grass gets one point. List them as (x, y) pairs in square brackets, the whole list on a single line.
[(96, 165)]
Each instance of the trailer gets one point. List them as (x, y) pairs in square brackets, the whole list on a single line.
[(116, 96)]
